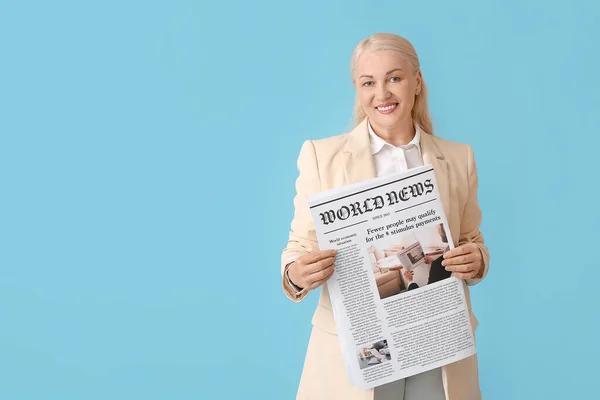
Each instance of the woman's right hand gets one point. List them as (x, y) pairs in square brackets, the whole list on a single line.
[(312, 270)]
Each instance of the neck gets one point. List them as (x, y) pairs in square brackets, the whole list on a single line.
[(397, 135)]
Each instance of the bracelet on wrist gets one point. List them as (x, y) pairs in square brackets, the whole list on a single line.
[(296, 288)]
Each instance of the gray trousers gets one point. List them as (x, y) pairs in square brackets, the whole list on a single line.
[(425, 386)]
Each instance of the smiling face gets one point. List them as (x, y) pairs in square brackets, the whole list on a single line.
[(386, 87)]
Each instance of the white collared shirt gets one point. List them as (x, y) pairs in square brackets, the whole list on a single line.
[(389, 158)]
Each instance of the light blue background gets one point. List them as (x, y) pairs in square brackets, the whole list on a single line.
[(147, 164)]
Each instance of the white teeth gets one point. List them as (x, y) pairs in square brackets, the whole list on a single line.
[(387, 108)]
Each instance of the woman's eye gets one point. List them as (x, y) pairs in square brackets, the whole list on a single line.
[(395, 79), (368, 84)]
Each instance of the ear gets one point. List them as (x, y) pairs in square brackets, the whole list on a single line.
[(419, 78)]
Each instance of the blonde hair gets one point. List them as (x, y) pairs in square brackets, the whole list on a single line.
[(401, 46)]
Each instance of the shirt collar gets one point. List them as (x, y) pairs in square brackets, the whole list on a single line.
[(378, 143)]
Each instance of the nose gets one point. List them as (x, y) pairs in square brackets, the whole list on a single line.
[(382, 92)]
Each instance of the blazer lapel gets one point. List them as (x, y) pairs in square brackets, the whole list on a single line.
[(358, 160), (432, 155)]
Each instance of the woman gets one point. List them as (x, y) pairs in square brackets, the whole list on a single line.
[(390, 111)]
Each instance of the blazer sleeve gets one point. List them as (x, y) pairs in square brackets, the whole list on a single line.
[(302, 237), (471, 219)]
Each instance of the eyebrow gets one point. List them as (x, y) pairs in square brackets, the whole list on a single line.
[(387, 73)]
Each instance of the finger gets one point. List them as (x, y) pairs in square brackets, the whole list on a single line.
[(462, 275), (317, 256), (462, 259), (322, 281), (315, 284), (317, 265), (321, 274), (464, 268), (321, 265), (326, 262), (460, 250)]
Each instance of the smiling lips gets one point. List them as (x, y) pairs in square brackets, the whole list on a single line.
[(387, 108)]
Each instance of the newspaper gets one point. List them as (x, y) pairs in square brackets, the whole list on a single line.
[(398, 312)]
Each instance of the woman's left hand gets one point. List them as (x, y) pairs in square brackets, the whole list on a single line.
[(466, 261)]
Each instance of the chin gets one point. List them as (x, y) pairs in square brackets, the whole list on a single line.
[(386, 121)]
